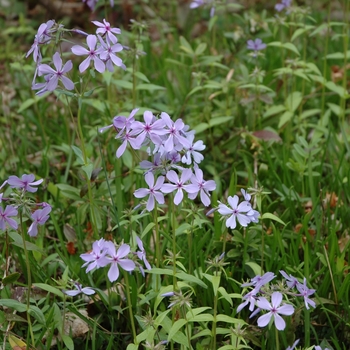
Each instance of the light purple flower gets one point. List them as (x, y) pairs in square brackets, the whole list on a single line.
[(294, 345), (108, 54), (97, 257), (40, 216), (201, 186), (259, 281), (291, 280), (42, 37), (283, 5), (192, 151), (256, 45), (58, 74), (141, 254), (306, 292), (174, 129), (26, 182), (120, 123), (105, 29), (151, 128), (152, 166), (91, 4), (250, 298), (128, 137), (92, 54), (275, 310), (116, 260), (5, 217), (78, 286), (178, 184), (237, 211), (153, 191)]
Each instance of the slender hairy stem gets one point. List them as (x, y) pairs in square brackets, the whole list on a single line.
[(131, 315), (29, 278)]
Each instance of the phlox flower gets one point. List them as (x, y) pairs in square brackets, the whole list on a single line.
[(141, 254), (128, 137), (201, 186), (152, 166), (93, 54), (58, 74), (178, 184), (116, 259), (173, 132), (40, 216), (259, 281), (79, 290), (274, 311), (237, 211), (306, 292), (97, 257), (108, 54), (91, 4), (105, 29), (247, 197), (26, 182), (120, 123), (317, 347), (291, 280), (283, 5), (192, 151), (5, 217), (151, 128), (256, 45), (153, 191), (250, 298), (42, 36), (198, 3)]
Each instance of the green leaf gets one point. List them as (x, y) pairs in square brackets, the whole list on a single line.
[(214, 280), (133, 346), (200, 49), (219, 120), (272, 217), (176, 327), (149, 87), (285, 118), (79, 154), (225, 295), (142, 77), (338, 56), (301, 31), (18, 241), (88, 170), (49, 289), (293, 101), (13, 277), (37, 314), (255, 87), (190, 278), (69, 191), (13, 304), (288, 46), (228, 319), (337, 89), (274, 110), (255, 267), (68, 342), (123, 84), (185, 46)]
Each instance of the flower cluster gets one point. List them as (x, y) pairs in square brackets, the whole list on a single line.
[(285, 4), (101, 50), (171, 144), (18, 199), (257, 297), (241, 212), (105, 253)]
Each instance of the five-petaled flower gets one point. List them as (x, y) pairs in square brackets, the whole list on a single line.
[(40, 216), (256, 45), (79, 290), (306, 292), (153, 191), (53, 76), (237, 211), (92, 53), (105, 29), (274, 311), (26, 182), (5, 217), (141, 254), (285, 4)]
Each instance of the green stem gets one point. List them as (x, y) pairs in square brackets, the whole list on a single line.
[(213, 331), (131, 315), (29, 278), (277, 339)]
